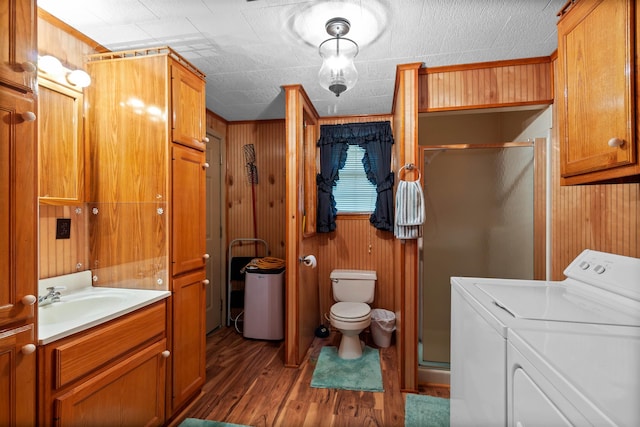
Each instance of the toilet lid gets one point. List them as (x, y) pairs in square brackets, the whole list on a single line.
[(350, 310)]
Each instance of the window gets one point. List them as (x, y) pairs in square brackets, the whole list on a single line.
[(353, 191)]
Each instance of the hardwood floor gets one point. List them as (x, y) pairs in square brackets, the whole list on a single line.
[(248, 384)]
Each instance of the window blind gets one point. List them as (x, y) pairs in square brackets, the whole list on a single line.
[(353, 192)]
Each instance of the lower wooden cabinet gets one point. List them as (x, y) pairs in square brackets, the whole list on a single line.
[(131, 393), (111, 375), (18, 376), (188, 352)]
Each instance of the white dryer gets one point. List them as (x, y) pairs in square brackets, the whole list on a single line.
[(601, 291), (573, 374)]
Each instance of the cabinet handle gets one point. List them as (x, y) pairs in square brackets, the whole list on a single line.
[(29, 299), (615, 142), (28, 116), (205, 139), (205, 282), (206, 256), (28, 67), (206, 165), (28, 349), (165, 354)]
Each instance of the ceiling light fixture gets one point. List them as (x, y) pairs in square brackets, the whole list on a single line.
[(338, 72)]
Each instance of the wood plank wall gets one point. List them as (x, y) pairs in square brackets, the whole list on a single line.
[(601, 217), (268, 140), (63, 256), (483, 85), (58, 257)]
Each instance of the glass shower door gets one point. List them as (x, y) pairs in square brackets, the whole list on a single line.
[(479, 222)]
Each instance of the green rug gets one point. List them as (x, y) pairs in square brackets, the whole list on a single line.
[(422, 410), (194, 422), (356, 374)]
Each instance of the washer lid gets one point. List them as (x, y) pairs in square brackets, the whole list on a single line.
[(350, 310), (562, 301)]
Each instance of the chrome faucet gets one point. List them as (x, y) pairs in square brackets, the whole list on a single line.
[(52, 296)]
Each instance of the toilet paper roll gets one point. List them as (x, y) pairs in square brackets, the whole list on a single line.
[(310, 261)]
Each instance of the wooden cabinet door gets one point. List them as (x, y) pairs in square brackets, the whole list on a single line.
[(130, 393), (17, 377), (596, 104), (18, 50), (60, 144), (18, 209), (127, 131), (188, 352), (188, 205), (188, 108)]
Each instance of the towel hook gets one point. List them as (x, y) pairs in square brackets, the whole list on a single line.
[(410, 167)]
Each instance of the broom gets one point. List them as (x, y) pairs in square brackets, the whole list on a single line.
[(252, 177)]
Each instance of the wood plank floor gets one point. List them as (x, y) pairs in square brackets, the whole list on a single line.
[(248, 384)]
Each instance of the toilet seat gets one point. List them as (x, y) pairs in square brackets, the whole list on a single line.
[(350, 311)]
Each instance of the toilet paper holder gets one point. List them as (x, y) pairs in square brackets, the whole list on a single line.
[(308, 260)]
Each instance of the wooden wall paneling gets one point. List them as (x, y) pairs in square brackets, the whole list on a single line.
[(216, 124), (485, 85), (64, 42), (268, 140), (62, 256), (301, 295), (405, 113)]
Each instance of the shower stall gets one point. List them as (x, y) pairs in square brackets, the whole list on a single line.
[(479, 222)]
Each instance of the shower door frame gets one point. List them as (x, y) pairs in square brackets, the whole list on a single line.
[(540, 202)]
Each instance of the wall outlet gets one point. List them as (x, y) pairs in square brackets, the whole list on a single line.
[(63, 228)]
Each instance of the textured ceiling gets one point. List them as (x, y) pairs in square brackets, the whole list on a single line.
[(249, 49)]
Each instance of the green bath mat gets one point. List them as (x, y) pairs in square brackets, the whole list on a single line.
[(356, 374), (194, 422), (422, 410)]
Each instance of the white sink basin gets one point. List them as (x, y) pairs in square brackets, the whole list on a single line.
[(88, 307)]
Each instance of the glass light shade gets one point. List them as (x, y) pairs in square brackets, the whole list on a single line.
[(79, 78), (50, 65), (338, 72)]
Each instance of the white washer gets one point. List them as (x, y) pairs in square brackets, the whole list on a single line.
[(601, 291)]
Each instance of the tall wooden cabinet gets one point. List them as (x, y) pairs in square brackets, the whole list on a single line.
[(597, 102), (18, 213), (146, 133)]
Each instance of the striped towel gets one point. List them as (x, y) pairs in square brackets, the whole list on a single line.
[(409, 213)]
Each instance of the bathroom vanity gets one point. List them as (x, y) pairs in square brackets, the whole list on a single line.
[(102, 354)]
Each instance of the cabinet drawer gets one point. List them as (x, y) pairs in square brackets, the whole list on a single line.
[(130, 393), (75, 357)]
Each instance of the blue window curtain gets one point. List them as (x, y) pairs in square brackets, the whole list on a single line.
[(377, 140)]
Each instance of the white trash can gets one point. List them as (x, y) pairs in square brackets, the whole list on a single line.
[(383, 323)]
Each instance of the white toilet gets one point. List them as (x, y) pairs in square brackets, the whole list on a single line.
[(353, 290)]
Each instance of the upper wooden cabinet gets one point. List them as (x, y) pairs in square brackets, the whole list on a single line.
[(188, 172), (512, 83), (18, 52), (60, 143), (127, 135), (596, 96), (188, 113), (138, 102)]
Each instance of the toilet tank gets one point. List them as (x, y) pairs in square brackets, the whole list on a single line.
[(353, 285)]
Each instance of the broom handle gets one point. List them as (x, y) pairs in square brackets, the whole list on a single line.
[(255, 220)]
